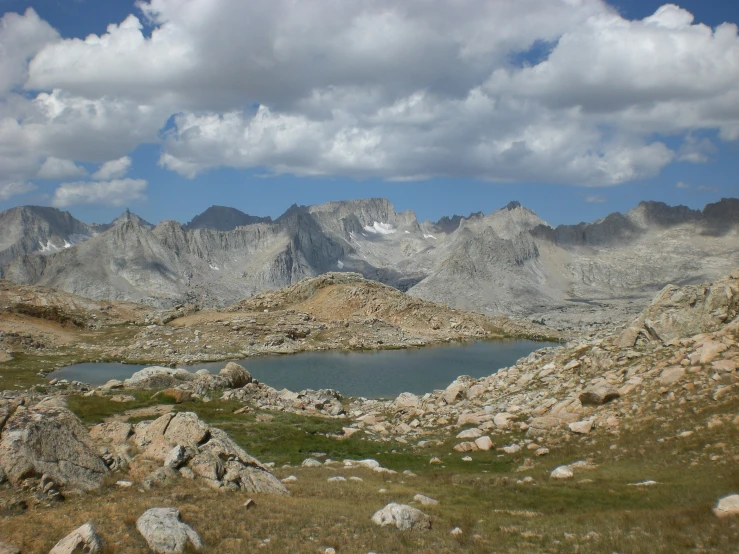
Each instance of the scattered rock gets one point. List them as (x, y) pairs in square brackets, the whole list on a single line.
[(425, 500), (82, 540), (671, 375), (598, 394), (727, 506), (562, 472), (165, 533), (402, 516), (178, 395), (581, 427), (484, 443)]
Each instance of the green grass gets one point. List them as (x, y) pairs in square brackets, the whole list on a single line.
[(95, 409)]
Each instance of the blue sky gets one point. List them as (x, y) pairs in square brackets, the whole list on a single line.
[(182, 162)]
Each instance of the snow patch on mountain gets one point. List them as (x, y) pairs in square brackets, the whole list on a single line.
[(380, 228)]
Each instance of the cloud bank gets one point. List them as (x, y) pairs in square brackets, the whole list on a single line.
[(559, 91)]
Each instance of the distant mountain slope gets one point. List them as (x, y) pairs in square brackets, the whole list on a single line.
[(28, 229), (223, 218), (506, 262)]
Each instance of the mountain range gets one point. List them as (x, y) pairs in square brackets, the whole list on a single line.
[(506, 262)]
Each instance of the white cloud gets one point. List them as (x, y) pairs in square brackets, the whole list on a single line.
[(21, 37), (8, 190), (707, 188), (682, 185), (113, 169), (595, 199), (117, 192), (57, 168), (697, 151), (513, 90)]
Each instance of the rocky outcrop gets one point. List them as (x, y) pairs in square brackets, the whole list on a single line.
[(165, 533), (181, 445), (679, 312), (49, 441)]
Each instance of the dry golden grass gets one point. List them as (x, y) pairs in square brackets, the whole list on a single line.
[(596, 512)]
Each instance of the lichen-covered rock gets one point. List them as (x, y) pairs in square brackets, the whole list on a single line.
[(83, 540), (165, 533), (50, 440), (401, 516)]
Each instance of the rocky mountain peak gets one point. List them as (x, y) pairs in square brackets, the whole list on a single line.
[(512, 205), (223, 218)]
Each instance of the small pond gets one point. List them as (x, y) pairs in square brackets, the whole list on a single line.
[(372, 374)]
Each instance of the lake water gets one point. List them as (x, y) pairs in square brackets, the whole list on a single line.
[(373, 374)]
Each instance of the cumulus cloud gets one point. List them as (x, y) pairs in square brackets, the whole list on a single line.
[(682, 185), (117, 192), (564, 91), (113, 169), (595, 199), (57, 168), (8, 190)]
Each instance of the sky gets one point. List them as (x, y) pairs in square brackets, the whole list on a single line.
[(575, 108)]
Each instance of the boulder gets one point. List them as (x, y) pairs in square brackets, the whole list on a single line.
[(178, 395), (425, 500), (236, 375), (466, 446), (157, 377), (470, 434), (581, 427), (503, 420), (672, 375), (457, 389), (727, 506), (165, 533), (711, 350), (407, 400), (311, 462), (484, 443), (50, 440), (401, 516), (562, 472), (82, 540), (177, 457), (598, 394)]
